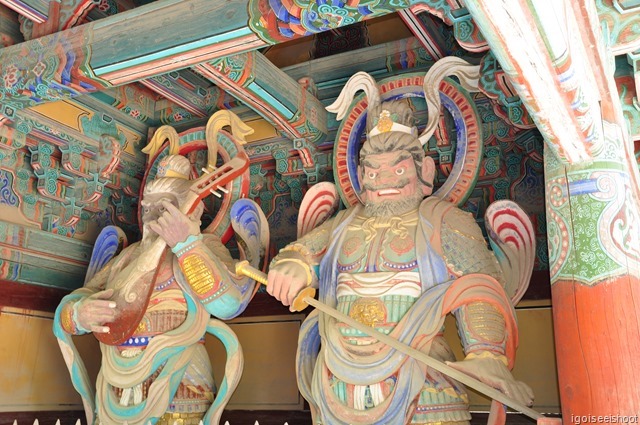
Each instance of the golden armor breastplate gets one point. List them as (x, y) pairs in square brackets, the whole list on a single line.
[(378, 277), (379, 244)]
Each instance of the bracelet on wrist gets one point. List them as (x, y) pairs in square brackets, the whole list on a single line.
[(487, 355), (188, 244), (299, 249), (76, 321)]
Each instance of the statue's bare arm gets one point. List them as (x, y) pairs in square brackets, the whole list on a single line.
[(295, 266)]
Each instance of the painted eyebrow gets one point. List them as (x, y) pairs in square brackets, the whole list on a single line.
[(370, 164), (167, 197), (400, 158)]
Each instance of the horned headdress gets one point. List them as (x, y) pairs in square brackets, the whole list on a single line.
[(397, 116), (390, 123)]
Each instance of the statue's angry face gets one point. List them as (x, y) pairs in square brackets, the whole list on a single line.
[(394, 182), (390, 176)]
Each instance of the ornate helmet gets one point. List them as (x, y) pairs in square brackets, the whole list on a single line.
[(390, 125), (172, 176)]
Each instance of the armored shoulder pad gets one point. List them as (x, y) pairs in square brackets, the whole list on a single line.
[(462, 244)]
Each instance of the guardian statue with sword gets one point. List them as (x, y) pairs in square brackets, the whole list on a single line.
[(391, 269)]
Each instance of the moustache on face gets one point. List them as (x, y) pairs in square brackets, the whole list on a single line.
[(397, 185)]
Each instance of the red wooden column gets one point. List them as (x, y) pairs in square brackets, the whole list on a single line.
[(555, 57), (592, 227)]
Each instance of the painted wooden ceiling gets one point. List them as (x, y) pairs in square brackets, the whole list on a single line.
[(85, 83)]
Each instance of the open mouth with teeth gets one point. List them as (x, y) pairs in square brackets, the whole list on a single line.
[(387, 192)]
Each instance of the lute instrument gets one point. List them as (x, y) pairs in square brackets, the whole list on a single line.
[(134, 284)]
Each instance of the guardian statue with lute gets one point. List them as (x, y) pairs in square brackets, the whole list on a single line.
[(151, 305)]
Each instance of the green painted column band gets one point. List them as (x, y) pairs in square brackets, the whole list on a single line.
[(592, 216)]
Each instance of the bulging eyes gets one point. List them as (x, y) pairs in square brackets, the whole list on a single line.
[(400, 171), (145, 210), (372, 174)]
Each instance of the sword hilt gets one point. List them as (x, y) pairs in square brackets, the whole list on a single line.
[(245, 269)]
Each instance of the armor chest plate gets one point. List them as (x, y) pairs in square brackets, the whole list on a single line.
[(379, 244)]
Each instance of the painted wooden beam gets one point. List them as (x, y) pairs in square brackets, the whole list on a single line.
[(424, 30), (167, 35), (253, 79), (534, 48), (157, 38), (332, 72)]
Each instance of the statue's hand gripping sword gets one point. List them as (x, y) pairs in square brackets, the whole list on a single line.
[(306, 298), (301, 300)]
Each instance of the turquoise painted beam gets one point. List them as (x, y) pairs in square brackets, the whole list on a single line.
[(157, 38), (34, 256), (253, 79)]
